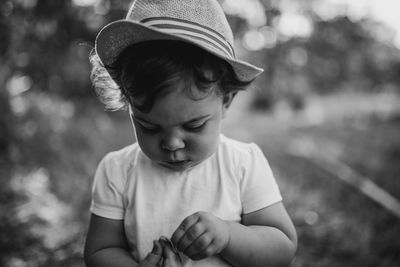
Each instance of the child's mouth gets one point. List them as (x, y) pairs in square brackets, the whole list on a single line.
[(177, 163)]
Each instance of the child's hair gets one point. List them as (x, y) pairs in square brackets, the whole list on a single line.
[(147, 70)]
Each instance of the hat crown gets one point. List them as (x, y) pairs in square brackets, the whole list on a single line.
[(207, 13)]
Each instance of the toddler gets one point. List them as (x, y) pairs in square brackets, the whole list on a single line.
[(183, 194)]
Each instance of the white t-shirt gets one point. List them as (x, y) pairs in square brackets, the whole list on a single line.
[(153, 200)]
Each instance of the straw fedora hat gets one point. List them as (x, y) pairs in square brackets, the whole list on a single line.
[(198, 22)]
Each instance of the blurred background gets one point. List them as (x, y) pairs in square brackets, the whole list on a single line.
[(326, 112)]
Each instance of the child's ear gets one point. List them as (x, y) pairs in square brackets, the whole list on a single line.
[(227, 101)]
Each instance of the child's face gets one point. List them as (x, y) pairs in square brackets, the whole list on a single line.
[(180, 132)]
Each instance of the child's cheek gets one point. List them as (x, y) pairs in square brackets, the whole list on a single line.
[(203, 145)]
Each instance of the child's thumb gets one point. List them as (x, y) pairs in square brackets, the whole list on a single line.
[(156, 253)]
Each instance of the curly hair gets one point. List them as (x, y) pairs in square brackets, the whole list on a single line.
[(147, 70)]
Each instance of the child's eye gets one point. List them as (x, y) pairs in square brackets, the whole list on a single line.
[(195, 126), (152, 129), (144, 125), (148, 128)]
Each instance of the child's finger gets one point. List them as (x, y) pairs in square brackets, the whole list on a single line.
[(204, 253), (197, 246), (167, 240), (157, 248), (171, 259), (186, 224), (166, 247), (156, 253), (193, 238)]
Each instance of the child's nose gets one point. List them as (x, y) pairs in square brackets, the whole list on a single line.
[(172, 143)]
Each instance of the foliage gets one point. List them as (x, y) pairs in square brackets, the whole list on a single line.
[(339, 55), (43, 55)]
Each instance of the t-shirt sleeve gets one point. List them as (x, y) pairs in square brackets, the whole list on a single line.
[(258, 186), (107, 190)]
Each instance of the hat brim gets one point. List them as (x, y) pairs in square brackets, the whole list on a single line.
[(120, 34)]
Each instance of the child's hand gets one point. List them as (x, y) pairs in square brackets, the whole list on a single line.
[(201, 235), (154, 258), (171, 257)]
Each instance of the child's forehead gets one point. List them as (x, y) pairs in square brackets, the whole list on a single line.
[(188, 100), (184, 87)]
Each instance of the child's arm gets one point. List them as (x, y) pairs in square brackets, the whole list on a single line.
[(106, 246), (265, 238)]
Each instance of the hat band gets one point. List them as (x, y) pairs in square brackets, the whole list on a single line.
[(191, 30)]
